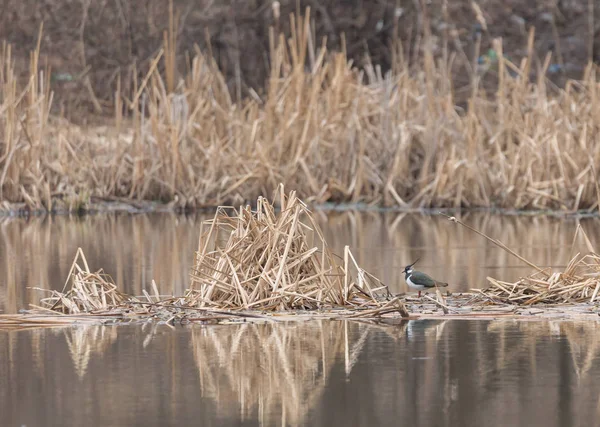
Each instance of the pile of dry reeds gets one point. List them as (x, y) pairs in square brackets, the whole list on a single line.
[(274, 260), (85, 291), (93, 296), (579, 282)]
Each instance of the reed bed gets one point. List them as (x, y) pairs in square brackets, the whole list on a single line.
[(160, 248), (323, 127), (272, 264)]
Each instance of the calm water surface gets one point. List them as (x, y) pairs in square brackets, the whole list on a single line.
[(329, 373), (421, 373)]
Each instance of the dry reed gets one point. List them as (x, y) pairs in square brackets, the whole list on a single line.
[(271, 260), (322, 127), (579, 282), (275, 260), (86, 292), (159, 247)]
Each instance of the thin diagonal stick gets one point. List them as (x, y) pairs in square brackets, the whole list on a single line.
[(496, 242)]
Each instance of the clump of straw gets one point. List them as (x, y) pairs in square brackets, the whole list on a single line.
[(84, 291), (263, 259), (580, 282)]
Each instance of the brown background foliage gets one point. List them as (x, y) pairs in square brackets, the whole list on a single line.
[(100, 39)]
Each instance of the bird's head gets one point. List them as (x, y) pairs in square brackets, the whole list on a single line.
[(409, 268)]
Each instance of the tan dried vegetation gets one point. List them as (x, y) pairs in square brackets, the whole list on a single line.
[(326, 129), (275, 261), (579, 282), (272, 264), (248, 264)]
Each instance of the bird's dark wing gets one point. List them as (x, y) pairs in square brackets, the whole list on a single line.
[(422, 279)]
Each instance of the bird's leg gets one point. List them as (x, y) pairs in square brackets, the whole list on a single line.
[(419, 294)]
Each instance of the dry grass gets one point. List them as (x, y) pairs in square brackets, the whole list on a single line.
[(579, 282), (160, 248), (271, 260), (87, 292), (272, 264), (164, 256), (326, 129)]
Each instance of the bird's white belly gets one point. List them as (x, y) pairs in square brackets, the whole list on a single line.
[(414, 285)]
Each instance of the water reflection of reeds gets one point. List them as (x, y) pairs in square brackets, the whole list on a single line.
[(134, 249), (433, 372), (261, 370), (583, 338)]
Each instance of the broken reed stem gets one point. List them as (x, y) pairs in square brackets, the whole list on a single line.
[(579, 282), (495, 242)]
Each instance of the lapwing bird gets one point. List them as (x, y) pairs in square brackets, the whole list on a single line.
[(420, 281)]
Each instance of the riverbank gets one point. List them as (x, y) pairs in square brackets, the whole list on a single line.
[(99, 206)]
